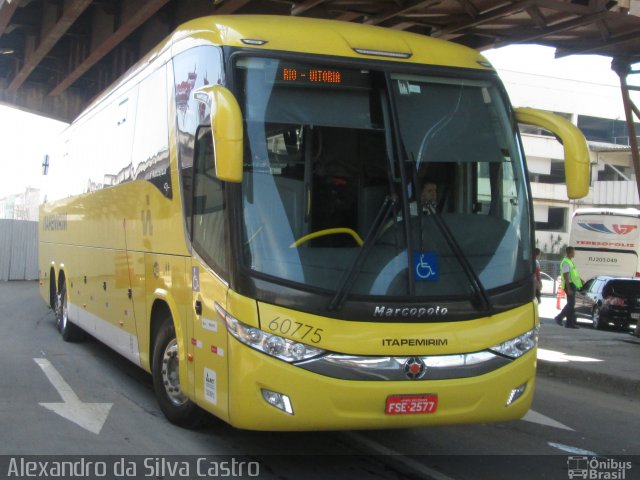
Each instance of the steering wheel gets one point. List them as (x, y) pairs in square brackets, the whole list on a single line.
[(327, 231)]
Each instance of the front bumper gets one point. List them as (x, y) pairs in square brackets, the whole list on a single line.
[(321, 402)]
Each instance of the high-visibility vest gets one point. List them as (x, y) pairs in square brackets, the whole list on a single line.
[(573, 273)]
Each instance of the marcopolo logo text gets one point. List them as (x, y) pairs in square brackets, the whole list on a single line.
[(410, 312)]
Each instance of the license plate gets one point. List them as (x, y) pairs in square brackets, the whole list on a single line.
[(411, 404), (635, 316)]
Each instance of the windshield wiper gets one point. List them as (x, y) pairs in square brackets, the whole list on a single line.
[(472, 276), (346, 282)]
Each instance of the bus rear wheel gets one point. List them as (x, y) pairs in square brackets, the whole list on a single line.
[(175, 405)]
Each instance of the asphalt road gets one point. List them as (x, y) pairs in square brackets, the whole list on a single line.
[(123, 420)]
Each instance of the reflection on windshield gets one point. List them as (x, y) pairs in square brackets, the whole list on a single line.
[(320, 160)]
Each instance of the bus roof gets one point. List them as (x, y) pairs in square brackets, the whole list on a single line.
[(331, 37), (625, 212), (306, 35)]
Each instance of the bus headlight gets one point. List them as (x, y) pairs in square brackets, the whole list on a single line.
[(274, 345), (516, 347)]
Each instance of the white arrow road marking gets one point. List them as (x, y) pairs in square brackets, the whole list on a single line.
[(535, 417), (561, 357), (570, 449), (90, 416)]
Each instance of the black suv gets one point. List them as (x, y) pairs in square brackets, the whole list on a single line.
[(610, 300)]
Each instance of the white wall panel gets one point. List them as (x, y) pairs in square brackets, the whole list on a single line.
[(18, 250)]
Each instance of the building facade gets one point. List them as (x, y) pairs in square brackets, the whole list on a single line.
[(21, 206), (596, 108)]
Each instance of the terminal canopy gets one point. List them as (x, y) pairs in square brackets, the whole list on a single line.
[(56, 56)]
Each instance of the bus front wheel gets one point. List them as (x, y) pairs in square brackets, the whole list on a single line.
[(174, 404), (68, 330)]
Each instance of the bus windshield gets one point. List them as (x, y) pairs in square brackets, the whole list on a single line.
[(380, 182)]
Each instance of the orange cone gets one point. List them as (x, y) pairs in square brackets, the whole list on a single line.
[(559, 296)]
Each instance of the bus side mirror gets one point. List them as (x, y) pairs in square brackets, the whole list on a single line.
[(576, 152), (226, 126)]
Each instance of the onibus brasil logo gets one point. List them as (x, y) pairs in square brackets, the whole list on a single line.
[(597, 468)]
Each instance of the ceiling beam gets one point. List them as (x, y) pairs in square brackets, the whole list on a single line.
[(348, 16), (486, 17), (402, 25), (72, 9), (614, 41), (300, 8), (469, 7), (6, 12), (126, 28), (536, 15), (230, 6), (605, 33), (545, 32), (565, 7), (394, 12)]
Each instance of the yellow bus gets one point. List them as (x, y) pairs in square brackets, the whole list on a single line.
[(242, 216)]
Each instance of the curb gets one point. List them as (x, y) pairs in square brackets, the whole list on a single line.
[(605, 382)]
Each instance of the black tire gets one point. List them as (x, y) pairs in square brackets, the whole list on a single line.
[(69, 331), (178, 409), (52, 291), (596, 317)]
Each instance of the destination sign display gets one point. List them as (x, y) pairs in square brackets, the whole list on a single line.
[(321, 76)]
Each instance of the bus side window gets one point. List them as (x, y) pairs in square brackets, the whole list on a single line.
[(208, 220), (191, 70)]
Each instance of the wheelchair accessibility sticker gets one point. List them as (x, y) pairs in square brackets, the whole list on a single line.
[(425, 266)]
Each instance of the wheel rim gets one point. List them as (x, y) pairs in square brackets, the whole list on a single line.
[(171, 375), (62, 309), (596, 317)]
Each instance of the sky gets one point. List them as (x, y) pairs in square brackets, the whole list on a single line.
[(25, 138), (541, 60)]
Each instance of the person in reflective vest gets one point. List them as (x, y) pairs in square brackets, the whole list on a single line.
[(571, 283)]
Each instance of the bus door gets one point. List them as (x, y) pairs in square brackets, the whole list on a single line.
[(127, 298), (209, 271), (118, 286)]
